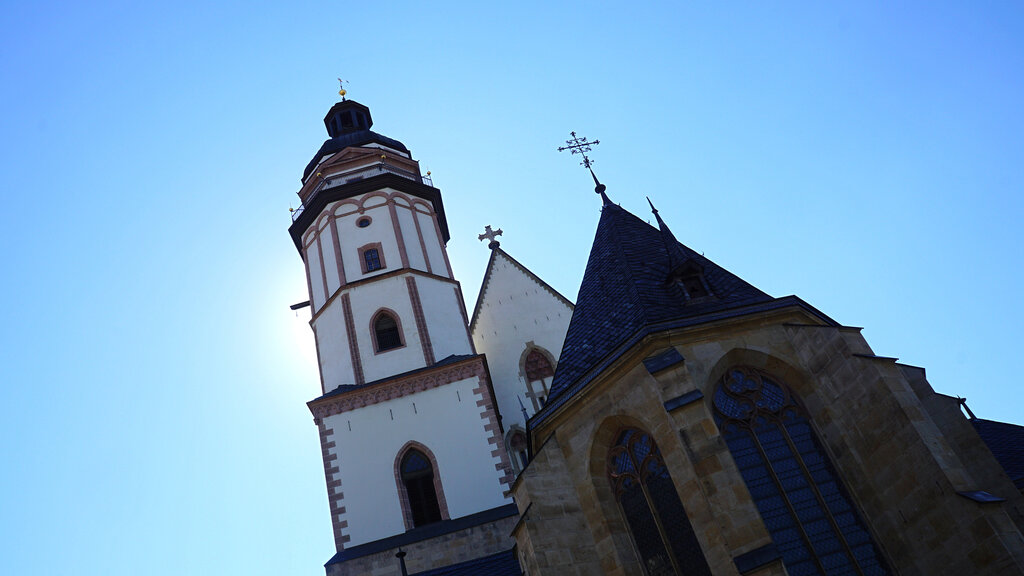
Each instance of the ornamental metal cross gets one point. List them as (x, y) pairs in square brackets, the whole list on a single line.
[(579, 145), (490, 235)]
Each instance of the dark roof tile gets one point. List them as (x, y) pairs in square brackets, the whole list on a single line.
[(624, 290), (1006, 441)]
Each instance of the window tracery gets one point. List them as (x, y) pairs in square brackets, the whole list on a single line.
[(658, 525), (794, 485), (538, 371)]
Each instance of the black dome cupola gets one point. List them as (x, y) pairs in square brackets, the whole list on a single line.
[(347, 116)]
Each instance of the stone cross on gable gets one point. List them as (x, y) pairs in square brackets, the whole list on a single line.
[(491, 236)]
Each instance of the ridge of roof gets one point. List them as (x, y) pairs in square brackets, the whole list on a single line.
[(524, 270), (625, 290)]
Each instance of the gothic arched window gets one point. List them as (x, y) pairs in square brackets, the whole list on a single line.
[(517, 448), (657, 522), (797, 491), (387, 334), (417, 476), (538, 371)]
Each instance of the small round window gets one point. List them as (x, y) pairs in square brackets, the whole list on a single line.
[(363, 222)]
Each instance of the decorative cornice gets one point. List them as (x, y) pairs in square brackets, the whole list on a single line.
[(319, 202), (396, 388)]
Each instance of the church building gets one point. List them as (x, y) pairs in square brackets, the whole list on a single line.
[(673, 420)]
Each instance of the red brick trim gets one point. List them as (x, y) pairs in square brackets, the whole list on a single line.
[(338, 260), (419, 234), (440, 241), (353, 343), (403, 495), (373, 332), (421, 321), (309, 283), (323, 267), (489, 414), (398, 233), (380, 254), (399, 387), (334, 495)]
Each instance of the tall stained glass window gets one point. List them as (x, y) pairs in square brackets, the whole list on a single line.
[(797, 491), (658, 525)]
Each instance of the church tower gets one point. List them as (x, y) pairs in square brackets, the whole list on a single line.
[(410, 431)]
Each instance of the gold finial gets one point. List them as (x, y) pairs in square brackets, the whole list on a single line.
[(341, 88)]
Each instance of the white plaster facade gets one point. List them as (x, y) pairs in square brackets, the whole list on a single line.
[(447, 420), (516, 311), (406, 232)]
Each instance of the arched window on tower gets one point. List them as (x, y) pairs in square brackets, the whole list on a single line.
[(387, 333), (797, 491), (657, 522), (418, 484), (539, 371)]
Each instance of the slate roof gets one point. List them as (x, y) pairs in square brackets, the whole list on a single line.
[(500, 564), (344, 140), (426, 532), (624, 296), (1006, 441)]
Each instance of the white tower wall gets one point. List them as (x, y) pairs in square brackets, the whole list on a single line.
[(450, 421)]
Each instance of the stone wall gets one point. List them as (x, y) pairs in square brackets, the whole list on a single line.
[(444, 550), (900, 466)]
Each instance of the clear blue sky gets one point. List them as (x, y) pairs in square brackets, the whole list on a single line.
[(865, 157)]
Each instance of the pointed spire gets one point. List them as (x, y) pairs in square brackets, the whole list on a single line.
[(676, 257), (600, 188)]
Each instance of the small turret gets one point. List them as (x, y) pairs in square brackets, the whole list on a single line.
[(347, 116)]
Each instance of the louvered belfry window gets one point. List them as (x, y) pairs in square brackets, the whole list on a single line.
[(660, 530), (418, 479), (800, 497)]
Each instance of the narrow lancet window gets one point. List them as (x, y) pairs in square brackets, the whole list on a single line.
[(418, 481), (387, 334)]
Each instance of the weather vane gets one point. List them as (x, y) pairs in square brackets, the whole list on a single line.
[(341, 88), (579, 145)]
